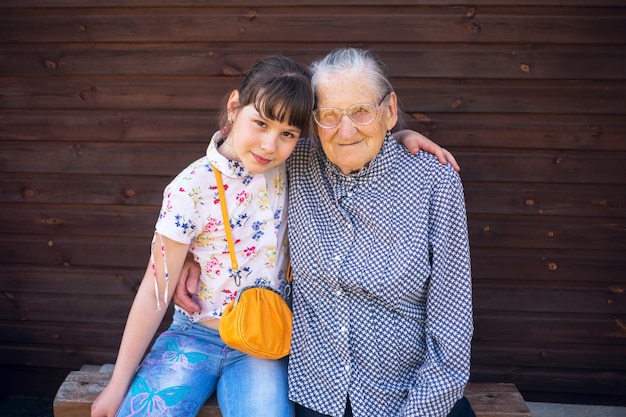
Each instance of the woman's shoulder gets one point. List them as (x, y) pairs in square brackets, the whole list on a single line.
[(302, 151), (304, 145), (423, 164)]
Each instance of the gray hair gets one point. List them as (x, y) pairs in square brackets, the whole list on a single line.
[(352, 59), (362, 61)]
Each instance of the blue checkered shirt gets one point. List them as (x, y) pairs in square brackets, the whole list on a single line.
[(382, 284)]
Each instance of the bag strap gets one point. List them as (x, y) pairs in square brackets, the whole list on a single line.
[(229, 233)]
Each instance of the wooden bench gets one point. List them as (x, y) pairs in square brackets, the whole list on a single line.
[(80, 389)]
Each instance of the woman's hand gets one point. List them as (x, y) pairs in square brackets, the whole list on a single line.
[(187, 286), (415, 141)]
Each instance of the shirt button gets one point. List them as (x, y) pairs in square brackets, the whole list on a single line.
[(347, 368), (339, 293), (337, 258), (343, 329)]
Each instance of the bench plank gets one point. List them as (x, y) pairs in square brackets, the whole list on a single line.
[(80, 389), (496, 400)]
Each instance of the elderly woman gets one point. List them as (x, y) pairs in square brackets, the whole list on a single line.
[(379, 248)]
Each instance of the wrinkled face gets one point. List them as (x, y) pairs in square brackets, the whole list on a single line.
[(351, 146), (257, 141)]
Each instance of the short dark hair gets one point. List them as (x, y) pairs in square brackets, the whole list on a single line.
[(280, 89)]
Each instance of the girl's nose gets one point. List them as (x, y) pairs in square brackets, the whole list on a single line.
[(268, 143)]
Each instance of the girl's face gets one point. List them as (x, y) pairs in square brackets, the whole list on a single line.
[(257, 142)]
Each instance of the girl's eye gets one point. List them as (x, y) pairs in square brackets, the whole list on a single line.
[(289, 135), (260, 123)]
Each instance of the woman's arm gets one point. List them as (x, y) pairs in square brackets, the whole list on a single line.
[(415, 141), (143, 322), (440, 380)]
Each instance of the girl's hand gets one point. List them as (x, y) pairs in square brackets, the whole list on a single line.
[(415, 141), (108, 402)]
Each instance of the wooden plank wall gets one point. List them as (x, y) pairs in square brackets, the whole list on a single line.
[(102, 102)]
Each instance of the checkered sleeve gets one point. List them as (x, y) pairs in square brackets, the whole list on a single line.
[(440, 380)]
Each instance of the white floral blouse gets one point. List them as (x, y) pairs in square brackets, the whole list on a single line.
[(191, 214)]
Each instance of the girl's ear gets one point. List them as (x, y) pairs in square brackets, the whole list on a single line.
[(233, 103)]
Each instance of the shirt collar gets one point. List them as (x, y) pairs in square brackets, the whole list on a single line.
[(226, 166)]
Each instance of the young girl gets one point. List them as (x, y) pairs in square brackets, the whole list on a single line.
[(189, 362)]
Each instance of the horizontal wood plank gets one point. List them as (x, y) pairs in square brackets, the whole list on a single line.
[(546, 200), (528, 230), (109, 126), (551, 266), (549, 355), (46, 307), (168, 160), (460, 130), (122, 250), (62, 335), (96, 220), (72, 251), (252, 3), (585, 298), (419, 60), (340, 24), (50, 189), (548, 328), (81, 388), (416, 95), (581, 382), (57, 279), (539, 232)]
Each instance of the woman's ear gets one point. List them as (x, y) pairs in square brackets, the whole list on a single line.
[(391, 110)]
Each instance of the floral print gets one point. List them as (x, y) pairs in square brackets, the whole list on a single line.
[(191, 214)]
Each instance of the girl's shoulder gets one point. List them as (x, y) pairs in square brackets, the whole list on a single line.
[(198, 170)]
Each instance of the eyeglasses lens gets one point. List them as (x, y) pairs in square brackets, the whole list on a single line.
[(360, 114)]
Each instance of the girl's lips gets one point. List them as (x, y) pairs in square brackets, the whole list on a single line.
[(261, 160)]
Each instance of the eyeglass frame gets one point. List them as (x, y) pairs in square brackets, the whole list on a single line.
[(345, 112)]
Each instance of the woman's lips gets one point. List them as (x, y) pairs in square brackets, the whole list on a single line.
[(351, 143)]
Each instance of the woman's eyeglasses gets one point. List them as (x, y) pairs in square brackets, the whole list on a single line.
[(360, 114)]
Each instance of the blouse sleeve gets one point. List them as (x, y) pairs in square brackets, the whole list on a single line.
[(179, 216), (440, 381)]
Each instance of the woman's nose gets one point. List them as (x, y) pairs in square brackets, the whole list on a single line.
[(346, 128)]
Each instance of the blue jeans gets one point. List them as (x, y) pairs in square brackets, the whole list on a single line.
[(189, 362)]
